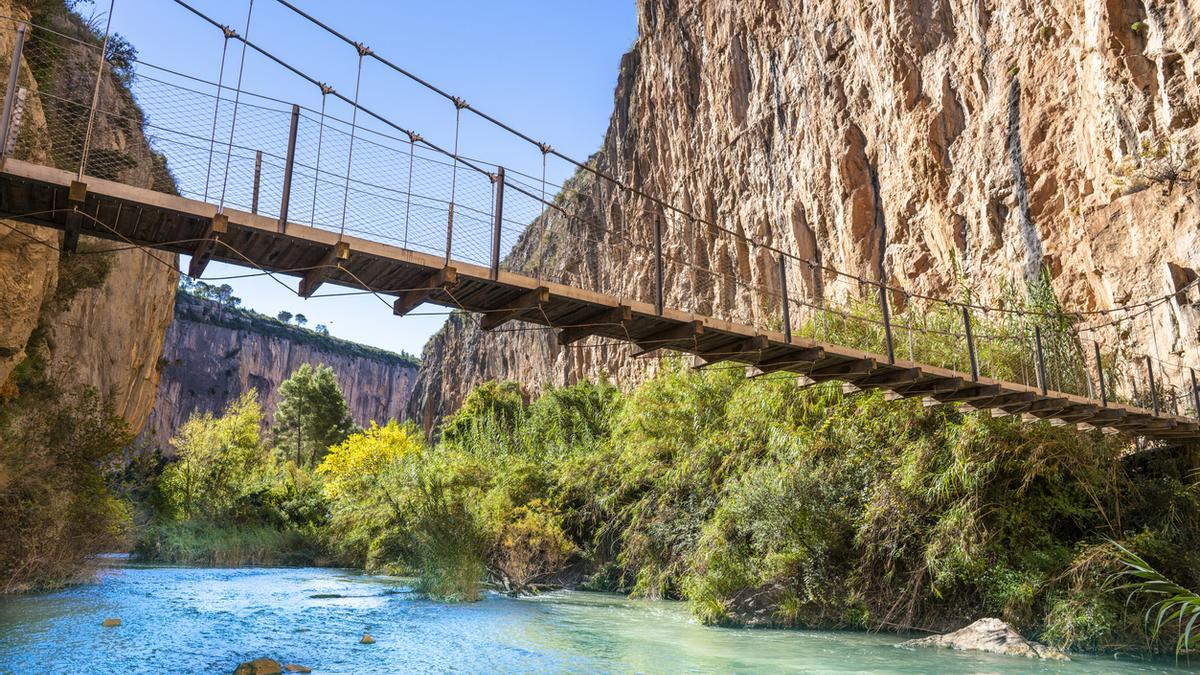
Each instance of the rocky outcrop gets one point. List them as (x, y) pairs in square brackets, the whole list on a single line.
[(989, 635), (214, 353), (917, 142), (102, 314)]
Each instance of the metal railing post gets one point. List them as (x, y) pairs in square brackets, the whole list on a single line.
[(497, 222), (787, 309), (966, 315), (658, 265), (1195, 394), (887, 323), (257, 180), (288, 165), (10, 93), (1153, 389), (1100, 375), (1041, 359)]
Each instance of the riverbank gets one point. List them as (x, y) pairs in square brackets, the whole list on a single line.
[(182, 619)]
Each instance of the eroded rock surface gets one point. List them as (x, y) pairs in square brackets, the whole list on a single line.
[(989, 635), (911, 141)]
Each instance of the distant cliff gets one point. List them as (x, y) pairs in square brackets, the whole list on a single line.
[(213, 353)]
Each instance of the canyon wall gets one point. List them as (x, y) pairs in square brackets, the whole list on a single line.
[(214, 353), (930, 143), (97, 318)]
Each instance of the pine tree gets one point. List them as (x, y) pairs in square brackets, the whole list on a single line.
[(312, 415)]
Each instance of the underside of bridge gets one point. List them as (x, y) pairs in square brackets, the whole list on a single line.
[(53, 198)]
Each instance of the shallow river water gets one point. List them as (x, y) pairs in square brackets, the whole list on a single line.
[(208, 620)]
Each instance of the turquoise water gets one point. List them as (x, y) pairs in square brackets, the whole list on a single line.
[(209, 620)]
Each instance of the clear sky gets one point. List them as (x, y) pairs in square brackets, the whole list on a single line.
[(547, 67)]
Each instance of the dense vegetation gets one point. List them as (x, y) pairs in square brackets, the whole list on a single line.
[(234, 495)]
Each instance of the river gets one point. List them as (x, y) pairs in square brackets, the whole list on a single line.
[(177, 619)]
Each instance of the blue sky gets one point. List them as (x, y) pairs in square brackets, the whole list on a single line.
[(546, 67)]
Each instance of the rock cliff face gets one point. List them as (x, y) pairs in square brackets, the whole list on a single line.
[(103, 315), (913, 141), (214, 354)]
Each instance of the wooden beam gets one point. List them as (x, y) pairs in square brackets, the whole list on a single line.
[(441, 280), (316, 276), (843, 370), (517, 308), (974, 392), (887, 378), (669, 336), (218, 225), (1047, 406), (805, 356), (610, 315), (932, 386), (742, 348)]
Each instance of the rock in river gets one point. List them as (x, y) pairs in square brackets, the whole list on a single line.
[(367, 639), (262, 666), (297, 668), (111, 623), (989, 635)]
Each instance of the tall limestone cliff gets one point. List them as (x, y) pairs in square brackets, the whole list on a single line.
[(215, 353), (910, 141), (98, 318)]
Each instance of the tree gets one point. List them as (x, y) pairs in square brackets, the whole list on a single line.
[(322, 329), (284, 316), (218, 458), (312, 415), (301, 319)]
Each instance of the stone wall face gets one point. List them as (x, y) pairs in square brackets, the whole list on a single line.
[(108, 337), (209, 362), (917, 141)]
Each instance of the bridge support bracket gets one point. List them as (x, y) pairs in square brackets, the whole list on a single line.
[(669, 336), (313, 279), (441, 280), (795, 360), (617, 316), (76, 197), (745, 349), (218, 226), (525, 303)]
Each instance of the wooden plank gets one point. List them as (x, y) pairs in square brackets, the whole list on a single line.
[(618, 316), (443, 279), (529, 300), (316, 276)]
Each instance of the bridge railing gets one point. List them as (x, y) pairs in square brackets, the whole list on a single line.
[(349, 170)]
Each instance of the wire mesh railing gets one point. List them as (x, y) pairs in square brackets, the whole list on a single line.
[(373, 179)]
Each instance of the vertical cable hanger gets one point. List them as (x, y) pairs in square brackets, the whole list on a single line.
[(363, 51), (87, 137), (212, 139), (320, 142), (237, 94), (412, 140), (459, 104)]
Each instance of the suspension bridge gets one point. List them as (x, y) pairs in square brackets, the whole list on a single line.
[(339, 194)]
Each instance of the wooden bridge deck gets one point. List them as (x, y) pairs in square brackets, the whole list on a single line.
[(42, 195)]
